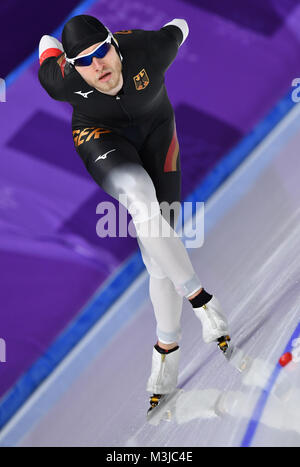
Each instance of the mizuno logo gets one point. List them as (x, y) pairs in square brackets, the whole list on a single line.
[(104, 155), (83, 94)]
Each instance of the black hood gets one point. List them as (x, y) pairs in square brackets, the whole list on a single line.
[(80, 32)]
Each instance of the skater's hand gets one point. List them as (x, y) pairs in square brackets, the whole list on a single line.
[(49, 46)]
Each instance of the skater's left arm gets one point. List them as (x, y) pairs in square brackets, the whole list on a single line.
[(179, 30), (165, 42)]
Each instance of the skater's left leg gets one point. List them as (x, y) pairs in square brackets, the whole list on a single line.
[(166, 178)]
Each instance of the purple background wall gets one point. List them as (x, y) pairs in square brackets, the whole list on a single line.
[(238, 61), (20, 27)]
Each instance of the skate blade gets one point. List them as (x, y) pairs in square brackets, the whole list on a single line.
[(156, 412), (223, 343), (228, 354)]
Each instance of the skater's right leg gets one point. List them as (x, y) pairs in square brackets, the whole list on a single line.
[(167, 305), (164, 371)]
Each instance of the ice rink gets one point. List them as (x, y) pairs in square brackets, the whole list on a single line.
[(250, 261)]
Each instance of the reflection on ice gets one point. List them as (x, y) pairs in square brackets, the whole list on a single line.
[(282, 410)]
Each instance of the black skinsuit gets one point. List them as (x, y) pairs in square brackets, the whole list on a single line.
[(137, 125)]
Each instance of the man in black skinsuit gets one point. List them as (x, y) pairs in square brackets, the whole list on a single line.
[(124, 131)]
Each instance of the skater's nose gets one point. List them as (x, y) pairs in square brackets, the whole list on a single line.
[(98, 64)]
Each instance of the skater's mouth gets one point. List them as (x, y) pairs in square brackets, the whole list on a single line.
[(105, 77)]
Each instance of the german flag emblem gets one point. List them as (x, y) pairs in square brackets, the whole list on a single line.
[(141, 80)]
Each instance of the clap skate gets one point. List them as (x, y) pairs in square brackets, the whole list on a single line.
[(223, 344), (214, 324), (163, 407), (156, 402), (164, 375)]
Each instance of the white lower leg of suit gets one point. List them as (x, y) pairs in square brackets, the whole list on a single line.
[(172, 275)]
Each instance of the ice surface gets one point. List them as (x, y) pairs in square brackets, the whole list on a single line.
[(250, 261)]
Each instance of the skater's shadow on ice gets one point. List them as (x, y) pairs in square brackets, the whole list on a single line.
[(282, 411)]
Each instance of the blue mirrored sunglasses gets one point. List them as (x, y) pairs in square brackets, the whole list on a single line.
[(86, 60)]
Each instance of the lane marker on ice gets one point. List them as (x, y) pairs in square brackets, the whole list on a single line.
[(262, 401)]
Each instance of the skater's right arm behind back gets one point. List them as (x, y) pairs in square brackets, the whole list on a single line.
[(52, 72)]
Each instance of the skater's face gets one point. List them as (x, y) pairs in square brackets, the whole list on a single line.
[(104, 74)]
